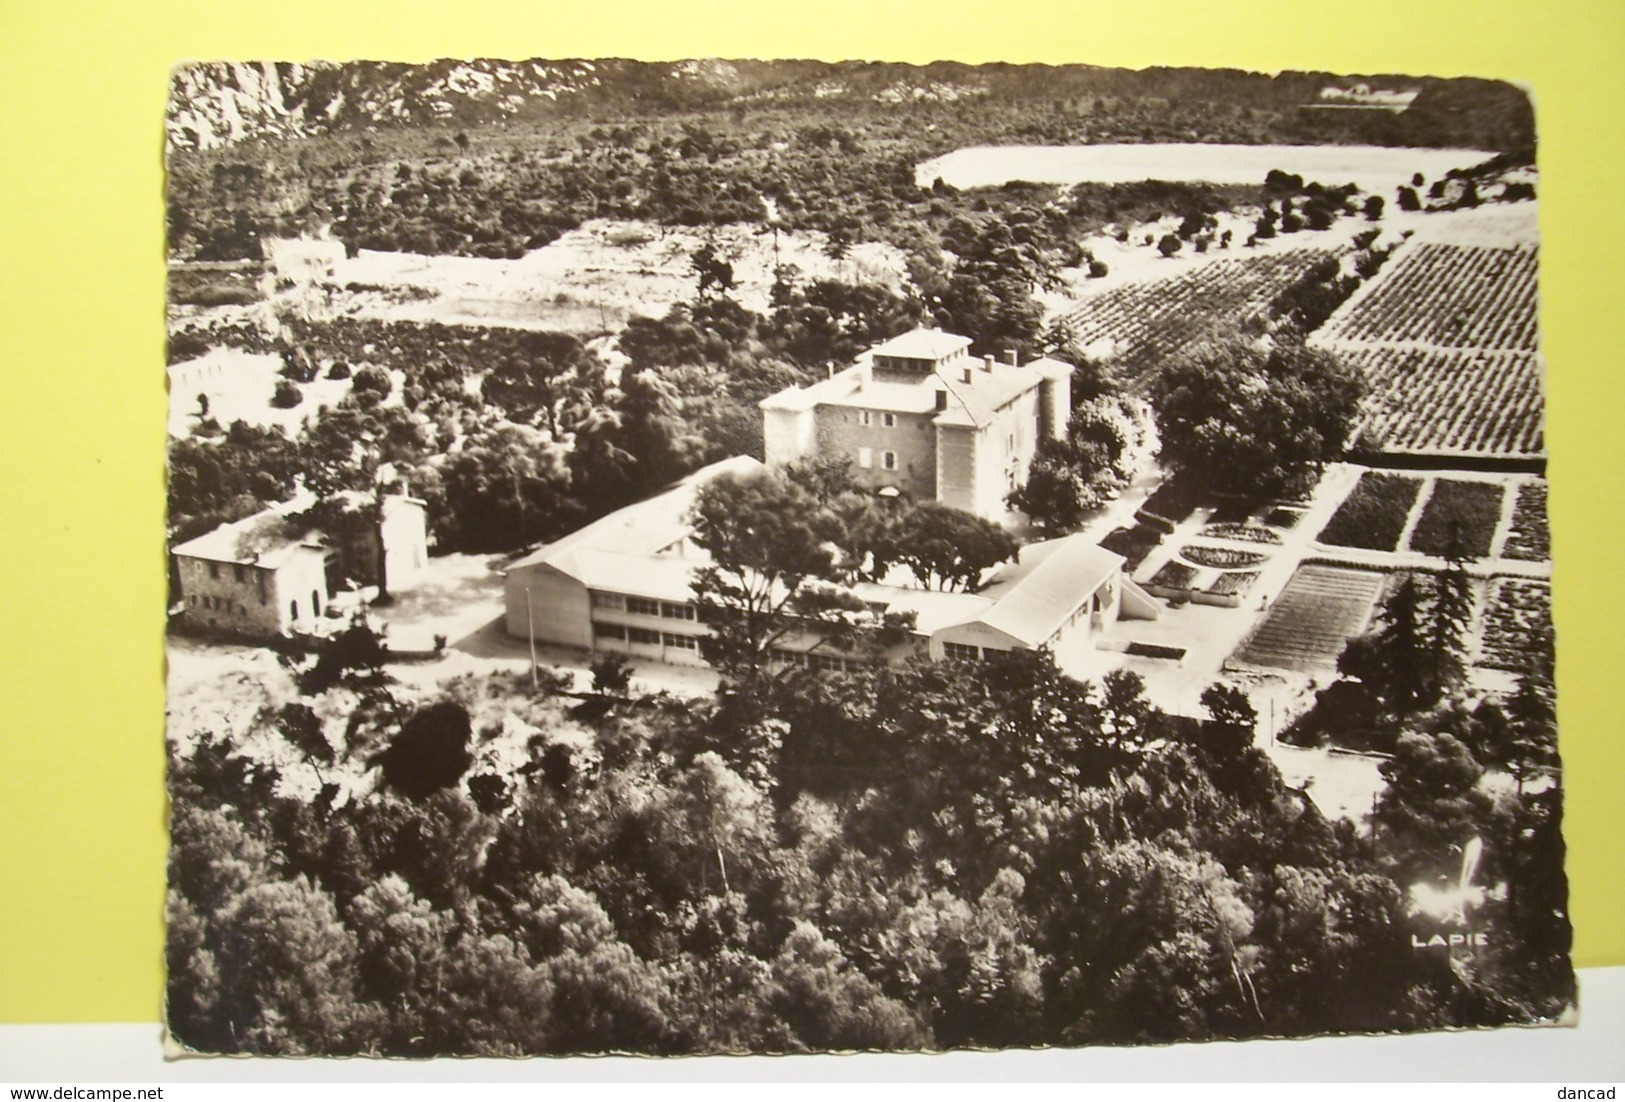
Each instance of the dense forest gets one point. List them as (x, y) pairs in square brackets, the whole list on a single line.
[(833, 147), (919, 857)]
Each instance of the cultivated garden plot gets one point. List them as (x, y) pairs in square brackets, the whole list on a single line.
[(1517, 625), (1373, 516), (1459, 517), (1447, 296), (1315, 615), (1529, 538), (1454, 402), (1446, 335), (1312, 620)]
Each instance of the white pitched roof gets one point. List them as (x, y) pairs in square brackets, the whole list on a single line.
[(1033, 598), (644, 527)]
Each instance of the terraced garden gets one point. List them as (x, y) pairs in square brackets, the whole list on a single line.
[(1447, 337), (1463, 513), (1447, 296), (1517, 624), (1373, 515), (1529, 538), (1147, 322), (1454, 402), (1315, 615)]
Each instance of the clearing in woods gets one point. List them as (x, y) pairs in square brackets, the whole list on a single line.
[(1315, 615)]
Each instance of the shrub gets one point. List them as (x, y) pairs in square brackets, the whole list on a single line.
[(339, 370), (287, 395)]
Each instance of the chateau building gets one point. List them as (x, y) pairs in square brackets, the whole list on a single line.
[(920, 415)]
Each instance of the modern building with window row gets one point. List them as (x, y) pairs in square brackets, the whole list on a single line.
[(624, 584), (922, 416)]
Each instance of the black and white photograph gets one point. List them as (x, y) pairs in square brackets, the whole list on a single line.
[(773, 556)]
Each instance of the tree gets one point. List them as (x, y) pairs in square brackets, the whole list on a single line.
[(948, 548), (370, 385), (546, 375), (1373, 208), (1391, 662), (771, 543), (1169, 245), (1241, 419), (286, 973), (1450, 621), (431, 752), (507, 487), (827, 1004), (611, 674), (715, 275), (1070, 477), (1432, 803)]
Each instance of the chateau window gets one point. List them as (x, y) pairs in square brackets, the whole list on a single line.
[(888, 420), (866, 458), (643, 606), (214, 570), (237, 570), (865, 417), (888, 461)]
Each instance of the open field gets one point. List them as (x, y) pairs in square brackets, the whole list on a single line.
[(1317, 612), (596, 277), (239, 386), (1141, 324), (1466, 512), (1371, 168), (1374, 514)]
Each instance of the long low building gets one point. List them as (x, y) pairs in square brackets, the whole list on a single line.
[(624, 584)]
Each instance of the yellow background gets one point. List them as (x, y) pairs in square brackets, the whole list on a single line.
[(82, 89)]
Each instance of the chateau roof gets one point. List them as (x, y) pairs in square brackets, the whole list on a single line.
[(922, 344)]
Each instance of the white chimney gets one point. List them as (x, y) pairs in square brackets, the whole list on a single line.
[(987, 363), (1012, 357), (970, 375)]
